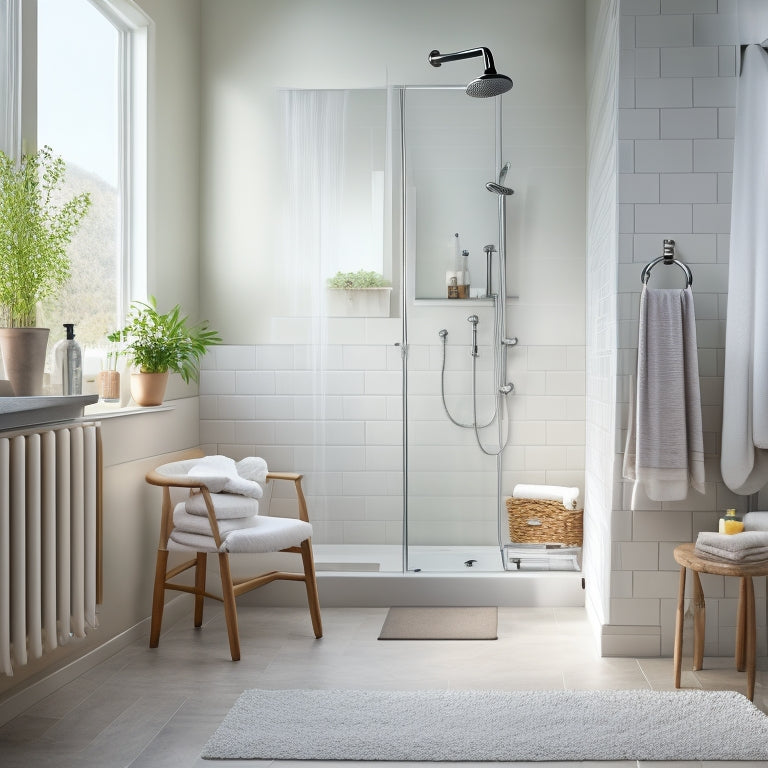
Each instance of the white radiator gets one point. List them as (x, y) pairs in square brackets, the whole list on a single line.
[(48, 543)]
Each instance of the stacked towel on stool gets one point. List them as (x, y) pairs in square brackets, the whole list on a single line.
[(569, 497), (745, 547)]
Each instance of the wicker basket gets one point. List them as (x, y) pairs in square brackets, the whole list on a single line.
[(534, 521)]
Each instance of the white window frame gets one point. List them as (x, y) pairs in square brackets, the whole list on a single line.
[(134, 29)]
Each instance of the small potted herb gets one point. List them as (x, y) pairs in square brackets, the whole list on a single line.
[(157, 344)]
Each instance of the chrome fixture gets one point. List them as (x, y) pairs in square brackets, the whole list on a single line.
[(490, 83), (492, 186), (667, 257), (489, 251), (474, 319)]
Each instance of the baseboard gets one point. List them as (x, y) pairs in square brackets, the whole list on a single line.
[(630, 641), (17, 703), (551, 589)]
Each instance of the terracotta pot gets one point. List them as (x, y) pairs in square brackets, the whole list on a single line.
[(23, 352), (148, 388)]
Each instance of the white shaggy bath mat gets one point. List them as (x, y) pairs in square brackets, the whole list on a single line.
[(491, 726)]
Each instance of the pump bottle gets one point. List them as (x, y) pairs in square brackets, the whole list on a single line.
[(69, 363)]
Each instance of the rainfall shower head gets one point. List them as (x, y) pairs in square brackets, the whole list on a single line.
[(498, 189), (490, 83)]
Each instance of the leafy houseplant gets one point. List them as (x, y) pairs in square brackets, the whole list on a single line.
[(162, 343), (36, 228), (35, 231), (358, 294)]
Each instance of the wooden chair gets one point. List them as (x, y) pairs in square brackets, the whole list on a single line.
[(267, 534)]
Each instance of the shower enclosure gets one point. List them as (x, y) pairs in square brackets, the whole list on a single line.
[(435, 399)]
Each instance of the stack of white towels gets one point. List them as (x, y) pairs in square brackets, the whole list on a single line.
[(569, 497), (235, 490), (749, 546)]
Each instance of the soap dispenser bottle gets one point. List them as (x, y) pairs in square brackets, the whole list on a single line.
[(69, 363)]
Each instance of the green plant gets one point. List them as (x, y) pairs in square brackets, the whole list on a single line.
[(157, 342), (35, 230), (353, 280)]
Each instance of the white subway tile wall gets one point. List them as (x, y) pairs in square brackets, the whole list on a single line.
[(342, 427), (675, 139)]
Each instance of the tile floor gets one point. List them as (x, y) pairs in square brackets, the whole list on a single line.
[(156, 708)]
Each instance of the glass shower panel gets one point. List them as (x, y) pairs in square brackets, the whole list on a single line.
[(451, 152)]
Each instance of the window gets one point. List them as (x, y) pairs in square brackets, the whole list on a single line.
[(86, 99)]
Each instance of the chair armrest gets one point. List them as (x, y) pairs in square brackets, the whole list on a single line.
[(284, 476), (295, 477), (174, 481)]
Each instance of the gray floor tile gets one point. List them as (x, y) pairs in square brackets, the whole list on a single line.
[(156, 708)]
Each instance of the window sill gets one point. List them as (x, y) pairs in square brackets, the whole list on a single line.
[(103, 411)]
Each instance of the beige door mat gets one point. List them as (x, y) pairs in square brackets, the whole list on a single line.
[(440, 623)]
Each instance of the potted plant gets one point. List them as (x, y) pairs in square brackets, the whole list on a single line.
[(358, 294), (159, 343), (36, 228)]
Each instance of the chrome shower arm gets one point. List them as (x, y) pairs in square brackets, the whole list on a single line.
[(436, 58)]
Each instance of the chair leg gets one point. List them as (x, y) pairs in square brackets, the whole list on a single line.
[(310, 581), (202, 559), (230, 609), (158, 597)]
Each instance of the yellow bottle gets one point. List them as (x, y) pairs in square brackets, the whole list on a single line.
[(730, 523)]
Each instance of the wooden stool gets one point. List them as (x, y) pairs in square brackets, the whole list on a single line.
[(688, 557)]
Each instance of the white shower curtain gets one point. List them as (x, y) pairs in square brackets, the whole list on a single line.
[(313, 123), (744, 455)]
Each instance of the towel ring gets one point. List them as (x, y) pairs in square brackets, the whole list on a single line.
[(668, 257)]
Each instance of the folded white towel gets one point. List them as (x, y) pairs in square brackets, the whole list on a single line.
[(756, 521), (748, 546), (226, 506), (220, 474), (270, 534), (665, 441), (252, 468), (183, 521), (196, 542), (568, 496), (267, 534)]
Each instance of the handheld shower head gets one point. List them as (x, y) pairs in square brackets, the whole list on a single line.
[(498, 189), (490, 83)]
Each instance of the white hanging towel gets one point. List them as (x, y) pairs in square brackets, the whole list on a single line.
[(744, 455), (664, 453)]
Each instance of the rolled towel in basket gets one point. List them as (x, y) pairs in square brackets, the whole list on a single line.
[(569, 497), (745, 547)]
